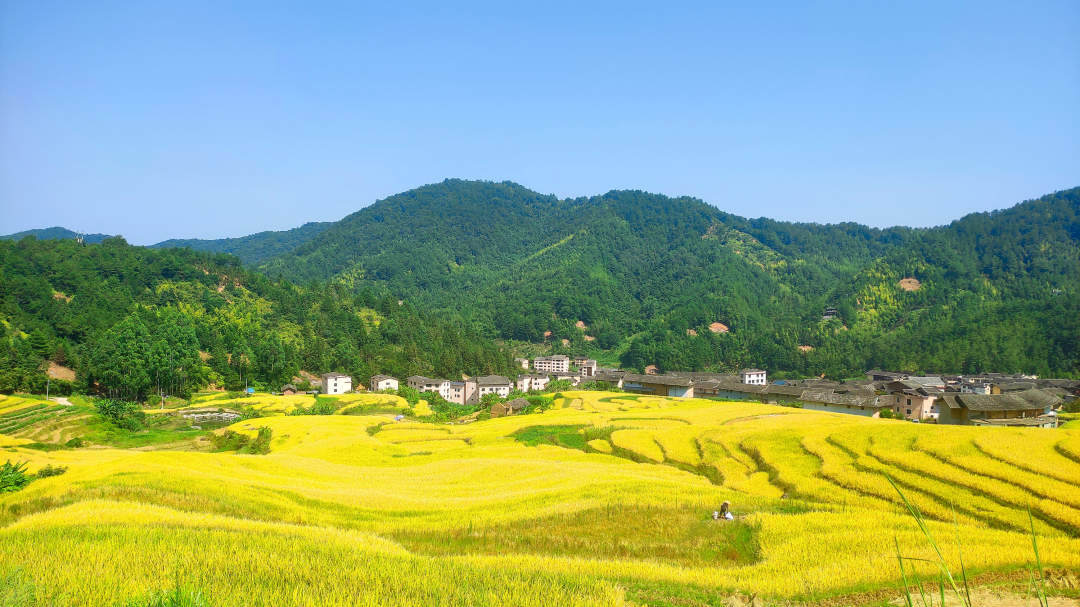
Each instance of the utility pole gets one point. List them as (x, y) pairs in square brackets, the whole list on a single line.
[(48, 384)]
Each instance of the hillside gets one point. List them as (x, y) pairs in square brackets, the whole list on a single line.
[(133, 321), (55, 233), (603, 500), (647, 276), (255, 248)]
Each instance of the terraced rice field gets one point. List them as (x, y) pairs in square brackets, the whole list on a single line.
[(603, 500)]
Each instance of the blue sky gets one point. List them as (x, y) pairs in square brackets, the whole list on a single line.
[(161, 120)]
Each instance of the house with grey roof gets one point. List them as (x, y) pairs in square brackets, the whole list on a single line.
[(336, 383), (383, 382), (1032, 408), (660, 385)]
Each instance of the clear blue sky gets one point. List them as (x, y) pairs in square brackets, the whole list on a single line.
[(159, 120)]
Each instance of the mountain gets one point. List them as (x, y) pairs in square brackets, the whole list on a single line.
[(255, 248), (133, 320), (657, 280), (55, 233)]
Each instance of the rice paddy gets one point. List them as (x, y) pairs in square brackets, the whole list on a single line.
[(605, 499)]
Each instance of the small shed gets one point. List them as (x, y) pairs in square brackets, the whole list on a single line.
[(288, 389)]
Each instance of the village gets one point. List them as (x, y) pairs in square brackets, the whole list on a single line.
[(992, 399)]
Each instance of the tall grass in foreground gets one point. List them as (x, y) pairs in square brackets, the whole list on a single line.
[(945, 576)]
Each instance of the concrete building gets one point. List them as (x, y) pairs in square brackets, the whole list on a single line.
[(529, 382), (753, 377), (587, 368), (459, 391), (336, 383), (488, 384), (428, 384), (557, 363), (383, 382)]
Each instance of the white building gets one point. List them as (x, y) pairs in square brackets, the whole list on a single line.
[(336, 383), (383, 382), (522, 362), (753, 377), (587, 368), (528, 383), (558, 363), (427, 384), (488, 384)]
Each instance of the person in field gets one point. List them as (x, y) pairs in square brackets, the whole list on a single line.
[(725, 512)]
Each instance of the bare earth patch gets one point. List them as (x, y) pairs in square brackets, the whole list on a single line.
[(60, 372), (718, 327), (581, 325), (806, 348), (58, 296), (651, 370), (691, 332), (910, 284), (590, 338)]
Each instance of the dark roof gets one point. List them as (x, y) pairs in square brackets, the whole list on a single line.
[(784, 390), (424, 380), (288, 387), (660, 380), (751, 371), (517, 404), (492, 380), (1013, 401), (831, 397), (699, 376), (329, 375), (380, 377)]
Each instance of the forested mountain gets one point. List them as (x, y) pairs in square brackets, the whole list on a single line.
[(255, 248), (651, 280), (55, 233), (133, 320), (648, 275)]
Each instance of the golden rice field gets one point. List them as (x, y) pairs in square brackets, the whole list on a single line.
[(606, 499)]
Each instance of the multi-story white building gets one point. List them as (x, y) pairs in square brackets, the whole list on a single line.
[(488, 384), (557, 363), (587, 368), (383, 382), (530, 382), (754, 377), (336, 383), (427, 384)]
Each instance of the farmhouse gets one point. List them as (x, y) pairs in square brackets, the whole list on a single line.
[(1027, 408), (753, 377), (913, 400), (427, 384), (529, 382), (660, 385), (587, 367), (852, 403), (336, 383), (288, 390), (558, 363), (488, 384), (383, 382)]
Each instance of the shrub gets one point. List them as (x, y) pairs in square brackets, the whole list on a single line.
[(13, 476), (50, 470), (75, 443), (261, 444), (123, 414)]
